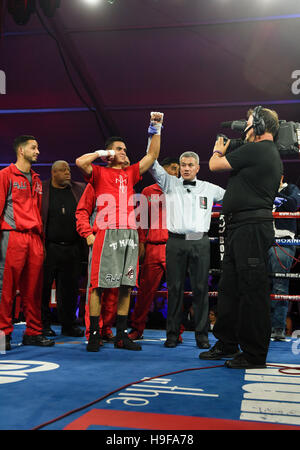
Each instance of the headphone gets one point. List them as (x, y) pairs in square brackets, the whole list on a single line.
[(259, 125)]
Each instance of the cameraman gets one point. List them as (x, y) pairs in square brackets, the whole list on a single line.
[(244, 293)]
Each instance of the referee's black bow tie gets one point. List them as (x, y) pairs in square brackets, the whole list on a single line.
[(187, 182)]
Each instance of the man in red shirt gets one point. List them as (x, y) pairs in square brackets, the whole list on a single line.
[(115, 248), (21, 246), (87, 228), (153, 243)]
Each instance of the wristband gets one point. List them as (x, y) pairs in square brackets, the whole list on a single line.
[(218, 151), (155, 128)]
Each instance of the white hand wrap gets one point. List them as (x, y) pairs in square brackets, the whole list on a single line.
[(155, 127), (104, 154)]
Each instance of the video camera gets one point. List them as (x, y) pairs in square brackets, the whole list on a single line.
[(287, 139)]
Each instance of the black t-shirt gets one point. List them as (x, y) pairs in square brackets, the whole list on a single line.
[(61, 222), (254, 181)]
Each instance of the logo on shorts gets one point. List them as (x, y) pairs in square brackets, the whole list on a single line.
[(112, 278), (130, 273), (123, 243)]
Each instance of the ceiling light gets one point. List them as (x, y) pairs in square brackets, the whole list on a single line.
[(92, 2)]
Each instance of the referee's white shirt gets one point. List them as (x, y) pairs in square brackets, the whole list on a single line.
[(188, 208)]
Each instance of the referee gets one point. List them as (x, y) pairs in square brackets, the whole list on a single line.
[(189, 202)]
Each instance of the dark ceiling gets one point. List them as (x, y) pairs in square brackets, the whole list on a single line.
[(94, 71)]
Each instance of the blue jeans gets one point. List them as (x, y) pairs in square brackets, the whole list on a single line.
[(279, 308)]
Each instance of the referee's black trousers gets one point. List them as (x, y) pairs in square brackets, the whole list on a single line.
[(243, 314), (192, 258)]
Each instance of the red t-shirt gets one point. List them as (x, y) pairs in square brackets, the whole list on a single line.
[(115, 196)]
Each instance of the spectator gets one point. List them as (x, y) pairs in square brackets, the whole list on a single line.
[(64, 248), (22, 252), (281, 258)]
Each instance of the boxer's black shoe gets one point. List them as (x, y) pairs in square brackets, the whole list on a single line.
[(94, 342)]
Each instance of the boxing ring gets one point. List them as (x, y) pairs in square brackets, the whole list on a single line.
[(157, 388), (220, 240)]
